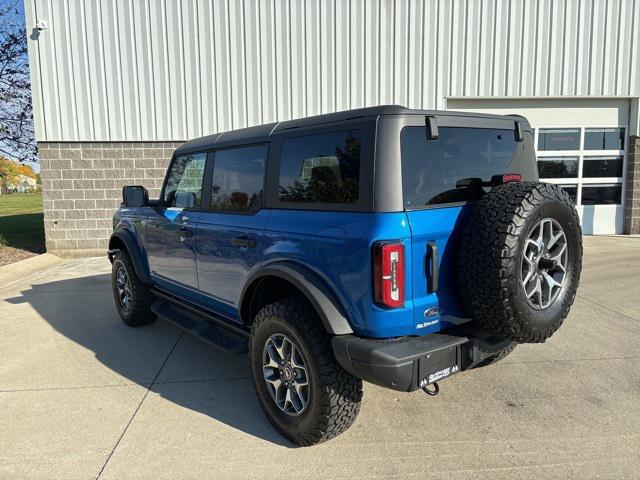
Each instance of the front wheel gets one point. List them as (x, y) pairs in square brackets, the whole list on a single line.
[(133, 298), (306, 395)]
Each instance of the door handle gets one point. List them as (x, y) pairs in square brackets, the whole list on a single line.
[(185, 232), (242, 241), (432, 267)]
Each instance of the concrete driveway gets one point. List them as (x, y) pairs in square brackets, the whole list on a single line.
[(84, 396)]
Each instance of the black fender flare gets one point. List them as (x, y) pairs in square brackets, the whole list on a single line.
[(131, 246), (312, 287)]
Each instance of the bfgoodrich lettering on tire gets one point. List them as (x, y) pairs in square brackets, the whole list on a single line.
[(304, 392), (520, 260)]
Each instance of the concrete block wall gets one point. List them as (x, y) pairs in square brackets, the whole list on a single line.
[(632, 201), (82, 187)]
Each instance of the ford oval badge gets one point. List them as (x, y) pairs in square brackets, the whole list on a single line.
[(432, 312)]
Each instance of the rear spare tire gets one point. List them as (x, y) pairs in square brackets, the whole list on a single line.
[(520, 260)]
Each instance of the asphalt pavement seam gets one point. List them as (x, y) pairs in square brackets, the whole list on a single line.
[(203, 380), (560, 360), (77, 387), (140, 404), (131, 384), (607, 308)]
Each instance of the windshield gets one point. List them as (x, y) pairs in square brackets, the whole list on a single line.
[(454, 167)]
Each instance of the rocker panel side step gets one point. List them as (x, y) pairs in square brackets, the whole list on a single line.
[(211, 330)]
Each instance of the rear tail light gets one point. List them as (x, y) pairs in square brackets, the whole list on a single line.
[(388, 274)]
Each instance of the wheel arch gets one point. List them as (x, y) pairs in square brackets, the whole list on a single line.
[(273, 280), (124, 240)]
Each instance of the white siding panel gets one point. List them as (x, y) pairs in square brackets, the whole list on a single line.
[(128, 45), (112, 70), (357, 73)]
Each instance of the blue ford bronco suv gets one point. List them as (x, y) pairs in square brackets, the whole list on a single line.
[(383, 244)]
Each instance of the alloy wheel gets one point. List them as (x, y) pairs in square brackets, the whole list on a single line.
[(286, 375), (124, 289), (544, 263)]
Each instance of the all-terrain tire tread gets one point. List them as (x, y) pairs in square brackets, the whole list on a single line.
[(341, 392), (488, 248), (141, 313)]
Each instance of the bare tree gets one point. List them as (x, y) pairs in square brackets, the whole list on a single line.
[(17, 140)]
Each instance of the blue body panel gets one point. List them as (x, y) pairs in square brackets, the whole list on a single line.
[(171, 252), (336, 246), (442, 226), (208, 269), (224, 268)]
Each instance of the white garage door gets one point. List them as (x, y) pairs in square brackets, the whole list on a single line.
[(581, 144)]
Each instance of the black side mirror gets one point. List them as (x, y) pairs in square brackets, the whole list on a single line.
[(135, 196)]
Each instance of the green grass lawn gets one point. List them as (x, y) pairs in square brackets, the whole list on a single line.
[(21, 222)]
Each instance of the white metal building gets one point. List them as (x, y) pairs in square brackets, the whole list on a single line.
[(118, 74)]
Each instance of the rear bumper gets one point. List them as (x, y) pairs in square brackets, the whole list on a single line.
[(409, 363)]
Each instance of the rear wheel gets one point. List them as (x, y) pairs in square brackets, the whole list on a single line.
[(306, 395), (133, 298)]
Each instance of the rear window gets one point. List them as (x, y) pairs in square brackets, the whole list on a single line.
[(452, 168), (321, 168)]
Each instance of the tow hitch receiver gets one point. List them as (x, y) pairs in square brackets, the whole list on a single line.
[(438, 365)]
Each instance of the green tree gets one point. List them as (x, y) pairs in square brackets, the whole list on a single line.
[(8, 173)]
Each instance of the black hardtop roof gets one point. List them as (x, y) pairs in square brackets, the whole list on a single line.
[(261, 133)]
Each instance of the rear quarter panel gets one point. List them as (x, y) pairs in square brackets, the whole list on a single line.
[(336, 246)]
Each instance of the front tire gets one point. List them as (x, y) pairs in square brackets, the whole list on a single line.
[(132, 296), (306, 395)]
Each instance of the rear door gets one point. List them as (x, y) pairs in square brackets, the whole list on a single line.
[(171, 228), (442, 178), (230, 236)]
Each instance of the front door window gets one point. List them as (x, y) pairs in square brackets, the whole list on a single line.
[(184, 183)]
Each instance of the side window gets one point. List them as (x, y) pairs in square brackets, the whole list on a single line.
[(238, 175), (184, 184), (322, 168)]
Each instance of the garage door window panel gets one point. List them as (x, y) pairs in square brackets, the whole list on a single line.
[(601, 166), (602, 194), (592, 157), (556, 139), (604, 138), (558, 167)]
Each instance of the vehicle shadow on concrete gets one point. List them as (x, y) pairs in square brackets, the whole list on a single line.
[(176, 366)]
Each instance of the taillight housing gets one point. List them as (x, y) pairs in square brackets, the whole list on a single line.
[(388, 274)]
